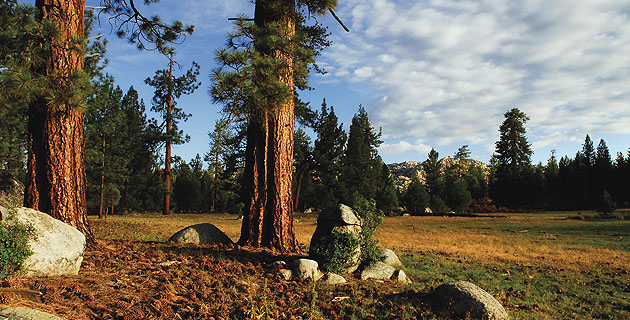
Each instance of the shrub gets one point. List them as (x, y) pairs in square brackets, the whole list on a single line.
[(607, 204), (371, 217), (338, 253), (14, 248)]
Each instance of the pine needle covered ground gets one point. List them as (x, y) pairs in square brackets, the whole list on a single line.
[(539, 266)]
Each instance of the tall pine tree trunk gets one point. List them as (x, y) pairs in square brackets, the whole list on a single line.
[(268, 218), (167, 158), (56, 170)]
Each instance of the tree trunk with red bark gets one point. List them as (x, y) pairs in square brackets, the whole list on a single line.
[(268, 216), (56, 170)]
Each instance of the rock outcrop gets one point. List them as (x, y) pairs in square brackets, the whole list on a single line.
[(203, 233), (57, 247), (404, 172), (331, 223), (463, 299)]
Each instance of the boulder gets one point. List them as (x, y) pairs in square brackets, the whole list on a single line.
[(21, 313), (340, 215), (57, 247), (390, 258), (333, 278), (203, 233), (306, 269), (332, 222), (11, 191), (378, 270), (463, 299)]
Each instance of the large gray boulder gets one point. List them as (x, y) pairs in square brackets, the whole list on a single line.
[(331, 223), (463, 299), (57, 247), (21, 313), (203, 233), (11, 191)]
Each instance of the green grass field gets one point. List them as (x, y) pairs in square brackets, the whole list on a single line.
[(547, 265)]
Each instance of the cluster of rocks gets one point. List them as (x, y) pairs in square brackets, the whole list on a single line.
[(340, 220)]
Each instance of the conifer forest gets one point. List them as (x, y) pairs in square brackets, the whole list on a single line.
[(547, 239)]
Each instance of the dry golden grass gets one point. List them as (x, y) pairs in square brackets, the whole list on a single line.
[(472, 239)]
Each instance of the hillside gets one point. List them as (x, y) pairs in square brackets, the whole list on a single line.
[(404, 172)]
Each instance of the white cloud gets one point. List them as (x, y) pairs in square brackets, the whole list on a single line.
[(450, 69), (402, 146)]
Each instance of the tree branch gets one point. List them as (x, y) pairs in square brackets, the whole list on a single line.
[(339, 20)]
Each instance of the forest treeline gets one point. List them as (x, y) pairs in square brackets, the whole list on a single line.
[(125, 161)]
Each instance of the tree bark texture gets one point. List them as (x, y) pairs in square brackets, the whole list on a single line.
[(268, 216), (56, 170)]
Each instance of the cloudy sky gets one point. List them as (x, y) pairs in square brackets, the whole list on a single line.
[(437, 73)]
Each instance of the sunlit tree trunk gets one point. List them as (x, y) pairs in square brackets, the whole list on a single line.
[(268, 218), (56, 170)]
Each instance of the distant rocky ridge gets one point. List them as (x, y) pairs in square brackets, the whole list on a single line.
[(404, 172)]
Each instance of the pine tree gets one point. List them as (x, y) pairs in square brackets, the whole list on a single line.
[(416, 199), (601, 177), (106, 155), (303, 160), (168, 89), (142, 186), (55, 90), (386, 195), (588, 151), (552, 176), (433, 174), (361, 163), (327, 158), (513, 160), (262, 86)]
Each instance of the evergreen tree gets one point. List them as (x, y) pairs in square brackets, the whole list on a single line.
[(416, 199), (327, 158), (303, 160), (588, 152), (386, 195), (142, 186), (106, 154), (168, 89), (458, 197), (433, 173), (513, 160), (601, 177), (361, 163), (552, 175), (462, 160), (186, 188), (477, 182)]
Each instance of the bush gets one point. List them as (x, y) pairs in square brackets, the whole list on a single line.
[(14, 248), (607, 204), (338, 253), (371, 217)]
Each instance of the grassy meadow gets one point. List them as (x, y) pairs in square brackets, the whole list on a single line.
[(549, 265)]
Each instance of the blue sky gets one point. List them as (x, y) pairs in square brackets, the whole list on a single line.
[(436, 73)]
